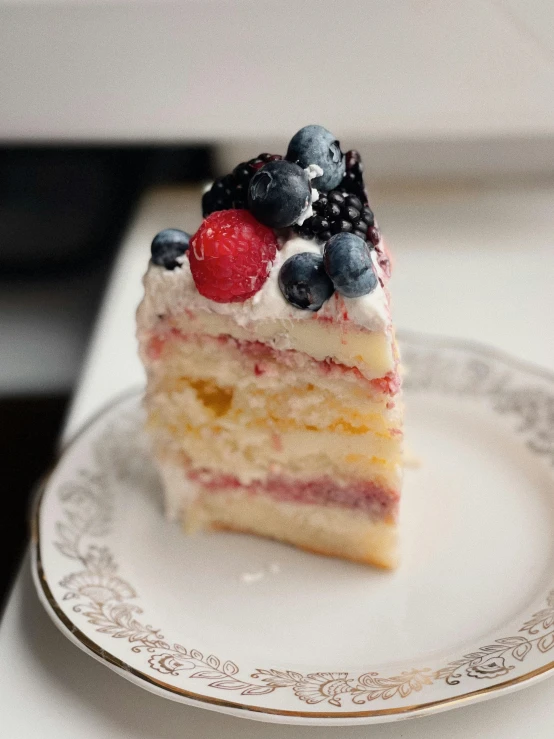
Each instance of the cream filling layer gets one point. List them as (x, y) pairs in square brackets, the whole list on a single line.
[(373, 354)]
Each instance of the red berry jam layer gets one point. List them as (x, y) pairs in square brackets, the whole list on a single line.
[(364, 496)]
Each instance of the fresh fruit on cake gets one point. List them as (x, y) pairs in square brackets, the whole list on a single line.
[(273, 393)]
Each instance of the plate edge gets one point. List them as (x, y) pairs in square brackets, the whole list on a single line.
[(261, 713)]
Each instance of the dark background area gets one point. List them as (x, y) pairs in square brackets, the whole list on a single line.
[(63, 210)]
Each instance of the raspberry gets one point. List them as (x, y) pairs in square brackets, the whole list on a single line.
[(230, 256)]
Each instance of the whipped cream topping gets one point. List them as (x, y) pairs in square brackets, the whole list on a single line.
[(172, 292), (313, 171)]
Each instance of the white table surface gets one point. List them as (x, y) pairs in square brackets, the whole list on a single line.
[(472, 261)]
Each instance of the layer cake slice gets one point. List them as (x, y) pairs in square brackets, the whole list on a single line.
[(273, 393)]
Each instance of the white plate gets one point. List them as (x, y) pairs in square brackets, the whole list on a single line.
[(257, 629)]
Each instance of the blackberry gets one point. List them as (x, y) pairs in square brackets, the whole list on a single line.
[(344, 209), (374, 235), (231, 191), (338, 212), (353, 180)]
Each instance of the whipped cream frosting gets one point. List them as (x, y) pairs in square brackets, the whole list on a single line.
[(313, 171), (172, 292)]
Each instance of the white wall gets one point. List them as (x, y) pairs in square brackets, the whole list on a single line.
[(202, 69)]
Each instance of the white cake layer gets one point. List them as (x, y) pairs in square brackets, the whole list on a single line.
[(256, 453), (288, 387), (324, 530), (191, 405)]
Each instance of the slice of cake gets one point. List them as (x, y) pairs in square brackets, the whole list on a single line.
[(273, 393)]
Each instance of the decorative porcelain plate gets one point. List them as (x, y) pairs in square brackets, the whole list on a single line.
[(257, 629)]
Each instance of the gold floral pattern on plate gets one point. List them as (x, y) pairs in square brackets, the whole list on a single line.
[(108, 603), (105, 601)]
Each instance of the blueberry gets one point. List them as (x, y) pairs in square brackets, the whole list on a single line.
[(279, 193), (317, 145), (303, 281), (348, 263), (168, 245)]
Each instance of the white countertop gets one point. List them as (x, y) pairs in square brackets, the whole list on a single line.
[(472, 261)]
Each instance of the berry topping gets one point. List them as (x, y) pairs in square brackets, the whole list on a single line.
[(303, 281), (348, 263), (279, 193), (231, 191), (373, 235), (384, 258), (231, 255), (337, 212), (317, 145), (353, 180), (168, 246)]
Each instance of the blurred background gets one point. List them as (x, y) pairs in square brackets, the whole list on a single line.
[(450, 103)]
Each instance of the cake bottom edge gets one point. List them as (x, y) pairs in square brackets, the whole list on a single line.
[(326, 530)]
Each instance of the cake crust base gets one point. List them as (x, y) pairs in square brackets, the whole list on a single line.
[(331, 531)]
